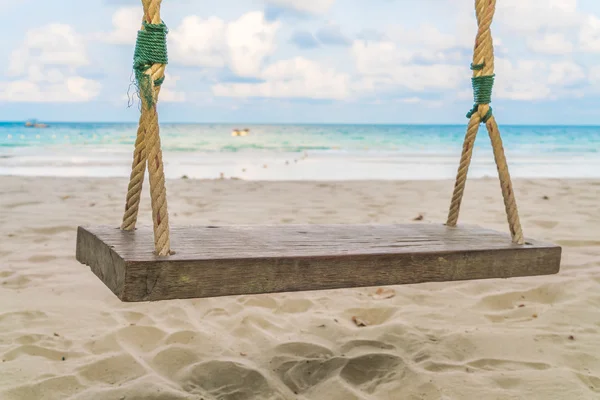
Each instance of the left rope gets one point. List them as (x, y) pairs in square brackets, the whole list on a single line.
[(150, 60)]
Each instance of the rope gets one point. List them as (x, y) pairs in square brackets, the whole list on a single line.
[(150, 59), (483, 81), (136, 180)]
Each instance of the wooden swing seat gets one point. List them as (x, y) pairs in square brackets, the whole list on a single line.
[(212, 261)]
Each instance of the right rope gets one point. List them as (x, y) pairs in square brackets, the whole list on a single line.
[(483, 80)]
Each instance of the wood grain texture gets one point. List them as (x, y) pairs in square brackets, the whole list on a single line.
[(230, 260)]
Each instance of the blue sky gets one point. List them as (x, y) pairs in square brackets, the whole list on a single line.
[(291, 61)]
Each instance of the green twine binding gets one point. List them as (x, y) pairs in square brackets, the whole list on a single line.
[(150, 48), (482, 92)]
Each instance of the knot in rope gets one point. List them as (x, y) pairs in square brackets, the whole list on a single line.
[(150, 48), (482, 92)]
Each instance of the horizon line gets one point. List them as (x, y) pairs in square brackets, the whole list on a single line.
[(300, 123)]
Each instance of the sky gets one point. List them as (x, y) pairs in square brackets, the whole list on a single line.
[(302, 61)]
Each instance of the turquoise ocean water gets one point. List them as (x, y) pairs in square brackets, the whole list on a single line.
[(292, 152)]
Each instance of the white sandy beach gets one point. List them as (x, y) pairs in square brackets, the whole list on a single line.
[(64, 335)]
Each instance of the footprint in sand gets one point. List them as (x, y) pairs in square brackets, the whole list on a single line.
[(545, 224), (301, 366), (578, 243), (492, 364), (61, 387), (362, 345), (295, 305), (485, 364), (134, 317), (6, 274), (516, 305), (142, 338), (16, 282), (216, 313), (41, 258), (21, 204), (173, 311), (591, 381), (226, 380), (253, 325), (36, 351), (542, 294), (264, 301), (52, 230), (145, 388), (507, 382), (20, 318), (196, 339), (371, 316), (104, 344), (369, 371), (173, 358), (115, 369)]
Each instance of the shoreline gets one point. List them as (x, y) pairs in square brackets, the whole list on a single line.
[(305, 181), (299, 167)]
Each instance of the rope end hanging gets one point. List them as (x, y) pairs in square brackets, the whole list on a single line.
[(150, 48)]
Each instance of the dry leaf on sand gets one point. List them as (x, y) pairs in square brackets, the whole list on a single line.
[(382, 293), (359, 322)]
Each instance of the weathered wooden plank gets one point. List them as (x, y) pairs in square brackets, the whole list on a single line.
[(230, 260)]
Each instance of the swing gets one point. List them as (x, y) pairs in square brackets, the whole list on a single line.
[(210, 261)]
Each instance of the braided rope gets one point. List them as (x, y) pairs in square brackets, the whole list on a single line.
[(150, 74), (483, 73), (138, 170), (136, 180)]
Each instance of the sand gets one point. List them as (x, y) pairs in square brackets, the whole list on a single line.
[(64, 335)]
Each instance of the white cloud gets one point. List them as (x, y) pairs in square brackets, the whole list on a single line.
[(250, 39), (426, 36), (242, 44), (565, 73), (423, 102), (45, 67), (199, 42), (594, 76), (551, 43), (126, 22), (384, 65), (536, 80), (532, 16), (71, 90), (169, 92), (308, 6), (589, 35), (520, 81), (54, 44), (406, 59), (295, 78)]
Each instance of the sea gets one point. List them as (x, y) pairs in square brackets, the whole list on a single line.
[(299, 152)]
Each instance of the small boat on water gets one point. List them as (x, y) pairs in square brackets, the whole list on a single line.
[(237, 132), (32, 123)]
